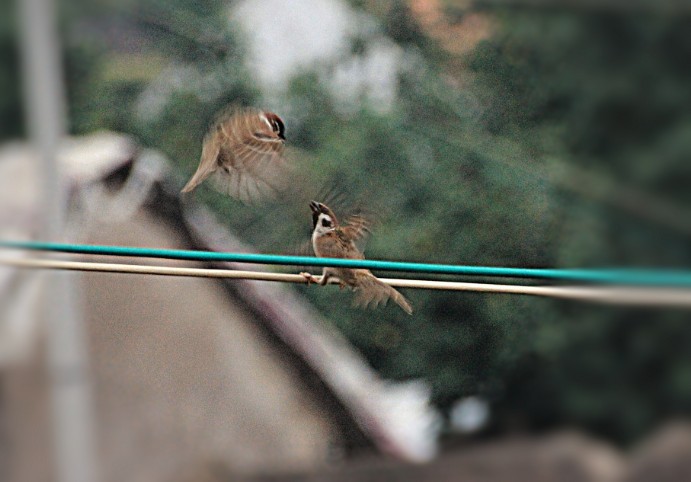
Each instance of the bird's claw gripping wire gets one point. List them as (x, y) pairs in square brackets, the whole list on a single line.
[(310, 278)]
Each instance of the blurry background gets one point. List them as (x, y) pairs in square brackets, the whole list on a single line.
[(486, 133)]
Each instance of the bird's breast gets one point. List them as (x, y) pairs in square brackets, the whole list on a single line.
[(327, 245)]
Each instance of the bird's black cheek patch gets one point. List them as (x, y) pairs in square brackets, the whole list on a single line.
[(279, 128)]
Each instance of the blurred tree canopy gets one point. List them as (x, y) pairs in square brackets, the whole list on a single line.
[(562, 139)]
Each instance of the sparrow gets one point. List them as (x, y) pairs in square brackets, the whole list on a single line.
[(331, 239), (244, 150)]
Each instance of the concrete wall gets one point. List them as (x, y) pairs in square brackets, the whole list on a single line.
[(183, 378)]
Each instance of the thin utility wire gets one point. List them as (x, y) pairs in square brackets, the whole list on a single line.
[(629, 277), (609, 295)]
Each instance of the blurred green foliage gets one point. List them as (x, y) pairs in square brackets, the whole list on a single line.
[(561, 140), (10, 107)]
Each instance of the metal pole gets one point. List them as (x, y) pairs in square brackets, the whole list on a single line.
[(72, 410)]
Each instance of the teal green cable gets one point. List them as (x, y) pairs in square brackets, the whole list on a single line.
[(677, 278)]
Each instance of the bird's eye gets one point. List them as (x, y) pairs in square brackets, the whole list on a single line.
[(326, 222)]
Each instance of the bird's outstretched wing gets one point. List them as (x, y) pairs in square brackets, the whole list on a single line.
[(356, 227)]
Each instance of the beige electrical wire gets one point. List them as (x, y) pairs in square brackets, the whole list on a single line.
[(639, 296)]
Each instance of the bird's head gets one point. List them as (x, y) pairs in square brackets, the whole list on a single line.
[(276, 124), (323, 219)]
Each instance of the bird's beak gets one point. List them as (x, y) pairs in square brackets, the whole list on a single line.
[(315, 206)]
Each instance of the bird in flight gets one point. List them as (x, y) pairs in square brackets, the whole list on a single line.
[(244, 150)]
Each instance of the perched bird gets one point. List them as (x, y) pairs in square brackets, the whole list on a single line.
[(244, 150), (330, 239)]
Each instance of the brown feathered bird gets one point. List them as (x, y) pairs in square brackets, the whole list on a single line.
[(330, 239), (244, 151)]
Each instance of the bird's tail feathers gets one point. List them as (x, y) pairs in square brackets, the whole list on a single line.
[(202, 173), (208, 163), (370, 291)]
